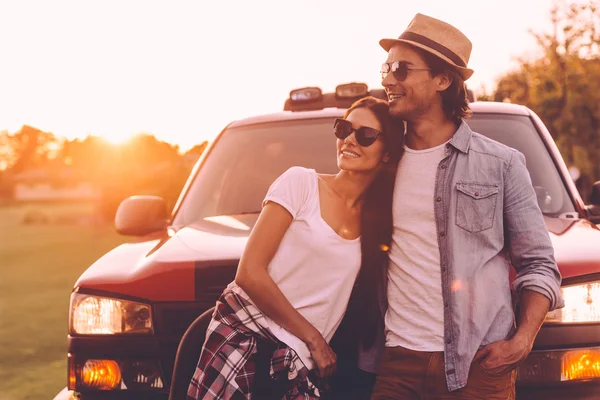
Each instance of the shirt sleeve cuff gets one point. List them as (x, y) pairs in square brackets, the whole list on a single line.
[(281, 202), (542, 285)]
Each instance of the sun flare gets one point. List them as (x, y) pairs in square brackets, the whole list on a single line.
[(116, 138)]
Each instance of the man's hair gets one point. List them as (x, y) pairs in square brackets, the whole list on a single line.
[(454, 99)]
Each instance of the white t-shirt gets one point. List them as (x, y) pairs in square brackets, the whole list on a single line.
[(314, 267), (415, 316)]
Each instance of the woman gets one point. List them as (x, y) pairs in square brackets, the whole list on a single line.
[(270, 332)]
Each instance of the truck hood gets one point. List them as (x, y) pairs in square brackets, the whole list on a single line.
[(172, 267), (576, 246), (199, 260)]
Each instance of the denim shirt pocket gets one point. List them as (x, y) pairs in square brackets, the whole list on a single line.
[(475, 205)]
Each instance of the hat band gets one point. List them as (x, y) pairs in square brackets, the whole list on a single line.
[(425, 41)]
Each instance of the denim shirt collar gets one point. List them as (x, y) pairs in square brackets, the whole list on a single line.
[(462, 138)]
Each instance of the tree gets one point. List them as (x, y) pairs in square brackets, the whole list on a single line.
[(27, 148), (143, 165), (563, 85), (197, 150)]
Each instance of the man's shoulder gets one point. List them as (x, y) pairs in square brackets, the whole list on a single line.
[(483, 145)]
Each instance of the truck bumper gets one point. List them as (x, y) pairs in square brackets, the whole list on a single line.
[(571, 391), (66, 394)]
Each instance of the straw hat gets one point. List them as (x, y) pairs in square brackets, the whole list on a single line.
[(438, 38)]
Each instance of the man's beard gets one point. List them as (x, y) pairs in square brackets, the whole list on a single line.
[(409, 114)]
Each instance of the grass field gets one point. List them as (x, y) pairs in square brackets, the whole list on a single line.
[(39, 263)]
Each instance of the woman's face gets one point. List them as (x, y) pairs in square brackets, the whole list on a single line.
[(353, 157)]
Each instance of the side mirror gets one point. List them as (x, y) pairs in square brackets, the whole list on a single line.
[(471, 96), (594, 207), (141, 215), (596, 194)]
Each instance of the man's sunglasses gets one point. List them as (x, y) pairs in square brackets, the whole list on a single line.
[(399, 69), (365, 136)]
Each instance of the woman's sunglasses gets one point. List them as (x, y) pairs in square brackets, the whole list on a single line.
[(399, 69), (365, 136)]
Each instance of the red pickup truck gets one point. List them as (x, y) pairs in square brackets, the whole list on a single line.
[(130, 308)]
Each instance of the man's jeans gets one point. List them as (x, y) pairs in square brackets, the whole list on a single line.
[(408, 374)]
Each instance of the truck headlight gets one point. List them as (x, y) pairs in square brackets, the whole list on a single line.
[(94, 315), (582, 304)]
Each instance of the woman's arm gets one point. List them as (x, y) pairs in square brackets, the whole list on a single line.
[(253, 278)]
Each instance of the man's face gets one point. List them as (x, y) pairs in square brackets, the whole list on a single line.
[(414, 96)]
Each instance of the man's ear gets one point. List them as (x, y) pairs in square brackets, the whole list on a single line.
[(443, 81)]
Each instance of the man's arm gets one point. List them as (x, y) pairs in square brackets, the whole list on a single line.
[(538, 280), (533, 308), (527, 238)]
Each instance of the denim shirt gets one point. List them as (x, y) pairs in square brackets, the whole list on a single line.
[(487, 217)]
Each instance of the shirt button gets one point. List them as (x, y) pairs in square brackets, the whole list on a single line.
[(448, 341), (442, 234), (443, 166), (476, 193), (438, 199)]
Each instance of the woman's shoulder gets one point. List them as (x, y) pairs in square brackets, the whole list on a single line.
[(298, 177), (298, 172), (293, 189)]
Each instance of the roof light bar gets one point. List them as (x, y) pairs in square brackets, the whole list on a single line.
[(352, 90), (307, 94)]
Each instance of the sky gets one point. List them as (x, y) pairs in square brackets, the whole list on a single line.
[(182, 70)]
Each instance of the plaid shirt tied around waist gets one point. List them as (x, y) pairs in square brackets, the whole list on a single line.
[(227, 365)]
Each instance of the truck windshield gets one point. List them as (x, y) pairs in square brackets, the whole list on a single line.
[(247, 159)]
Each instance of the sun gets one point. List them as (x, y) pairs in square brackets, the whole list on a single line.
[(116, 138)]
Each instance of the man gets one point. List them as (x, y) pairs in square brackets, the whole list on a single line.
[(464, 209)]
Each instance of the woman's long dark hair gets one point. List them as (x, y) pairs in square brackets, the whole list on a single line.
[(376, 224)]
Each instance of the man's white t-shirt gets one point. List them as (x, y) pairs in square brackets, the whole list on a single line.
[(415, 316), (314, 267)]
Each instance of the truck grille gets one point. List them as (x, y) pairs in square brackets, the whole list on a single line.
[(171, 319), (171, 322)]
